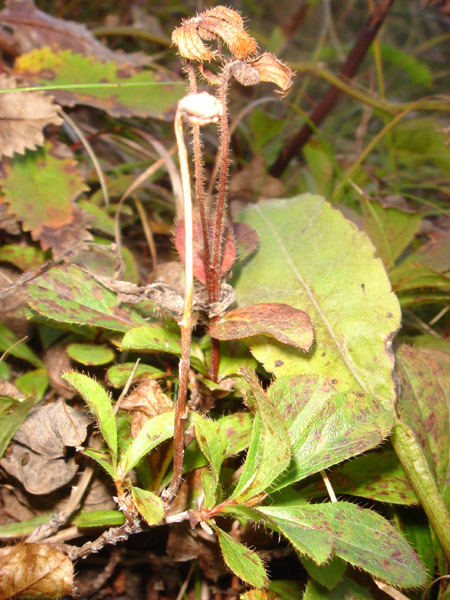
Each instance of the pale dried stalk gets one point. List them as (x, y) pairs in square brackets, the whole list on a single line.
[(186, 322)]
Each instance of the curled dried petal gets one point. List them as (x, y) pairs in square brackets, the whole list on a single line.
[(189, 43), (271, 69), (200, 109), (219, 22)]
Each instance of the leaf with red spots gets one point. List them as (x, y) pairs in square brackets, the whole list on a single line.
[(67, 294), (40, 189), (325, 426), (424, 405), (154, 98), (246, 239), (286, 324), (229, 252), (359, 536)]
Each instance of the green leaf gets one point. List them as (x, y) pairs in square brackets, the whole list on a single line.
[(390, 229), (51, 177), (7, 341), (24, 258), (149, 338), (287, 589), (149, 505), (377, 475), (103, 459), (418, 71), (154, 432), (238, 430), (45, 67), (307, 259), (415, 276), (99, 403), (98, 518), (22, 527), (347, 590), (269, 453), (329, 574), (119, 374), (34, 383), (212, 441), (12, 414), (325, 427), (286, 324), (420, 142), (67, 294), (89, 354), (209, 486), (359, 536), (241, 560)]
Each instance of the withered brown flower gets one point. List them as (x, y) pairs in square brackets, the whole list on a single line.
[(218, 23)]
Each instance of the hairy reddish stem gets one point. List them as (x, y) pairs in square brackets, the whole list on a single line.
[(199, 187), (222, 188), (354, 59)]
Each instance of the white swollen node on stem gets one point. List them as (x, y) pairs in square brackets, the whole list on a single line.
[(200, 109)]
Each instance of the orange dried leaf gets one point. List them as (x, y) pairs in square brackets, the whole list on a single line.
[(34, 571), (24, 115)]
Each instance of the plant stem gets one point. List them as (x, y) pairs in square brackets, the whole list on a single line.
[(419, 474), (221, 205), (199, 187), (359, 50), (222, 187), (186, 322)]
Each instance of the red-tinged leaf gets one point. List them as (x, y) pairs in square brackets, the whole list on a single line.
[(34, 571), (24, 115), (286, 324), (229, 252), (424, 405), (246, 239), (40, 188), (34, 28)]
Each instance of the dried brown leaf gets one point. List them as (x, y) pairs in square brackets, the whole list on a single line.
[(36, 456), (24, 115), (57, 362), (34, 28), (34, 571), (146, 401)]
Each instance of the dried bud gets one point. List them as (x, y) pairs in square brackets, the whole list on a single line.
[(244, 73), (214, 24), (200, 109), (269, 68)]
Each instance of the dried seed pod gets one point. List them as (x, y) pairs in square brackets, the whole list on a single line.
[(244, 73), (217, 23), (200, 109), (270, 68)]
